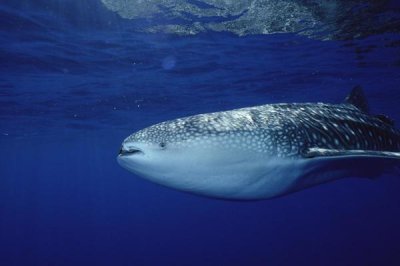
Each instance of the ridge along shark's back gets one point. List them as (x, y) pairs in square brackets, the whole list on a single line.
[(264, 151)]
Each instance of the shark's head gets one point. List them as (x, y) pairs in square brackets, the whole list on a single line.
[(155, 152), (192, 155)]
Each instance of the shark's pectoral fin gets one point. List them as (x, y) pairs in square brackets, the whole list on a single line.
[(319, 152), (356, 163)]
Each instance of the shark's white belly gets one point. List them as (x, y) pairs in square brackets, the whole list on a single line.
[(254, 179), (236, 174), (251, 180)]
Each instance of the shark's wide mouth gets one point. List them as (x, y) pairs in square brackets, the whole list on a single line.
[(125, 152)]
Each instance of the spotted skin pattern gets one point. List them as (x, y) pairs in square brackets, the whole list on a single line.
[(284, 130)]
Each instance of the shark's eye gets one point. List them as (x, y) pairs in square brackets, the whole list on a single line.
[(162, 145)]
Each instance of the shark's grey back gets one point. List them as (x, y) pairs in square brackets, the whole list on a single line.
[(285, 130), (325, 126)]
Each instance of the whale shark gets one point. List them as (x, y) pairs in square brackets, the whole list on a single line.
[(265, 151)]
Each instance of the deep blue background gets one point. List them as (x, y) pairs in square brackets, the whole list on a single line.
[(75, 80)]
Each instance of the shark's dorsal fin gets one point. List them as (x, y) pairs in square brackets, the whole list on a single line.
[(357, 99)]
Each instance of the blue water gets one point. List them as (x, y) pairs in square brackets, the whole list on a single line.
[(76, 79)]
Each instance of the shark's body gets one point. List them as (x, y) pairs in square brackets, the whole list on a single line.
[(264, 151)]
